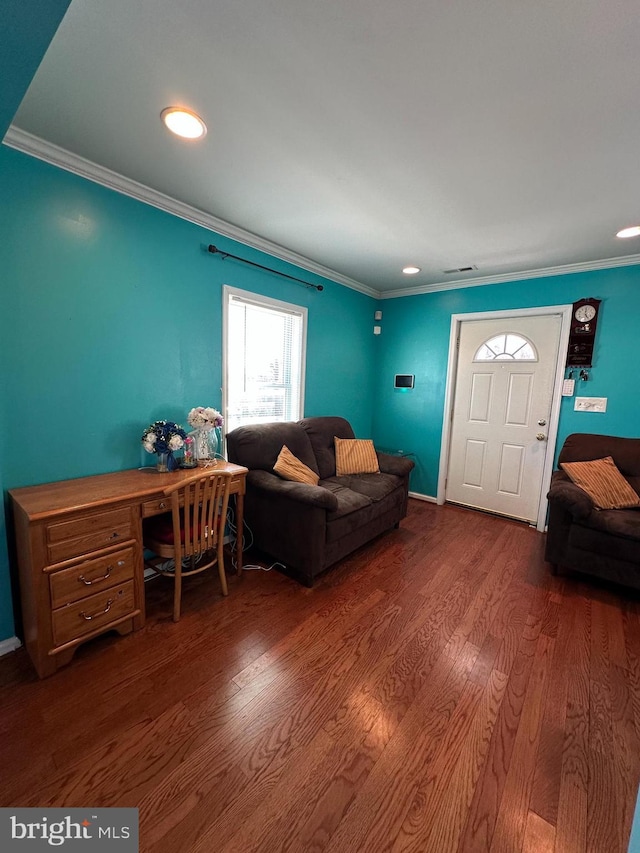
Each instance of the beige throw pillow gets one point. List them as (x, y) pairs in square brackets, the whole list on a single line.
[(289, 467), (355, 456), (602, 481)]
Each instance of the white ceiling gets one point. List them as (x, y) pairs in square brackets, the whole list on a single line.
[(363, 134)]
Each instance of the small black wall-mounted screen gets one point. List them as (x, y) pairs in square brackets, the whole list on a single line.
[(404, 380)]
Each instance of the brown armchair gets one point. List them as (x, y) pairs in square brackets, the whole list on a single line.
[(604, 543)]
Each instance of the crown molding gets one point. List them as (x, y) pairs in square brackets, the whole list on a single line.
[(37, 147), (523, 275)]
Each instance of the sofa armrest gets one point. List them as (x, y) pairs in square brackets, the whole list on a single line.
[(270, 484), (571, 497), (398, 465)]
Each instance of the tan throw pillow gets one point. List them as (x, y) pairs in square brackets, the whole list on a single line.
[(602, 481), (355, 456), (289, 467)]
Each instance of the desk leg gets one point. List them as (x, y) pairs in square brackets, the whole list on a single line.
[(239, 531)]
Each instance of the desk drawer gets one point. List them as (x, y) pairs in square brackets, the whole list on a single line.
[(92, 576), (87, 533), (75, 620), (156, 507), (159, 505)]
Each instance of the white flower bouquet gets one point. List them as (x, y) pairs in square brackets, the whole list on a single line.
[(204, 417), (206, 421)]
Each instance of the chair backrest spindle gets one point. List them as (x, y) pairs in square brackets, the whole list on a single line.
[(198, 516), (196, 507)]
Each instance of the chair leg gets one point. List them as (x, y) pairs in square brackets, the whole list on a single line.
[(177, 591), (221, 572)]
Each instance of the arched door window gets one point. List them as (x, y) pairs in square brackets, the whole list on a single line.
[(507, 346)]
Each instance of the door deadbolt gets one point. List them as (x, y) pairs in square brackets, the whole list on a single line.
[(541, 422)]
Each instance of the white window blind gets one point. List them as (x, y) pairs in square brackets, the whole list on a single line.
[(264, 359)]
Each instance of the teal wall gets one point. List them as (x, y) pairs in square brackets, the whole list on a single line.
[(112, 317), (27, 29), (415, 339)]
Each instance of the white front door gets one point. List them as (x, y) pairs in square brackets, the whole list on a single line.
[(502, 406)]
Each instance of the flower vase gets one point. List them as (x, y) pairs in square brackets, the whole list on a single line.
[(205, 446), (162, 465)]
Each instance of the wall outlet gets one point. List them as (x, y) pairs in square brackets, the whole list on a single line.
[(590, 404)]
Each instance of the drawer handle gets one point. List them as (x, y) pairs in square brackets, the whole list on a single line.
[(101, 613), (161, 505), (86, 582), (114, 535)]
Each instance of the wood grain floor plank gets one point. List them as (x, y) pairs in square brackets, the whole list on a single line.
[(610, 743), (312, 634), (571, 825), (601, 790), (485, 807), (377, 814), (105, 771), (546, 786), (438, 690), (404, 678), (626, 748), (323, 791), (511, 823), (440, 806), (488, 601), (539, 836), (510, 549), (262, 750), (485, 664)]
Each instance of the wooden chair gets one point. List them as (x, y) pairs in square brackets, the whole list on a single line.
[(194, 529)]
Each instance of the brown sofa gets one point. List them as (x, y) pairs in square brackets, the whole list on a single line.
[(309, 528), (604, 543)]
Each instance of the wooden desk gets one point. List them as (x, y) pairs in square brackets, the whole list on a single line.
[(80, 556)]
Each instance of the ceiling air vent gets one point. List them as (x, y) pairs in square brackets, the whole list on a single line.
[(461, 269)]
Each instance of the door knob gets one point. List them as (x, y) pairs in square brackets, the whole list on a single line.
[(541, 422), (541, 436)]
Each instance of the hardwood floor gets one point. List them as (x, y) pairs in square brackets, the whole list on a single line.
[(438, 691)]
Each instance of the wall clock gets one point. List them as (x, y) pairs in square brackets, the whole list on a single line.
[(584, 321)]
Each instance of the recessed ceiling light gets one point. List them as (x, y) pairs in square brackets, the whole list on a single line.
[(183, 123), (411, 270), (634, 231)]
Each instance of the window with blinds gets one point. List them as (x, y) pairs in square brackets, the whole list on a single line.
[(265, 342)]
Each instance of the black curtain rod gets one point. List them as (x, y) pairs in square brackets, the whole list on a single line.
[(215, 251)]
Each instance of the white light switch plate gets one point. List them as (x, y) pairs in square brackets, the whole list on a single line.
[(590, 404)]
